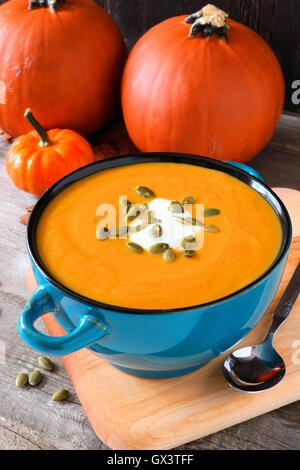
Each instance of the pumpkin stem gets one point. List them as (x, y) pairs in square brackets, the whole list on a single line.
[(209, 20), (45, 141), (52, 4)]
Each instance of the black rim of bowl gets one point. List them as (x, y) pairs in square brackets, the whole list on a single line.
[(139, 158)]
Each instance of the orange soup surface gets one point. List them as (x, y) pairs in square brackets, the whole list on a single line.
[(247, 240)]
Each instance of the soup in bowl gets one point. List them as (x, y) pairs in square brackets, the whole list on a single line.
[(158, 262)]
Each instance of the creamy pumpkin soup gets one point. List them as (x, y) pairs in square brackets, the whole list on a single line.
[(188, 235)]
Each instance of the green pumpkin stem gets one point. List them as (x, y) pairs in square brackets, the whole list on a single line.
[(52, 4), (45, 141), (209, 21)]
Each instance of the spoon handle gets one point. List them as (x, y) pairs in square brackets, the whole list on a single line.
[(287, 301)]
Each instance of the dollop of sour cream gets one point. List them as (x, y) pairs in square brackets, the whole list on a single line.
[(173, 231)]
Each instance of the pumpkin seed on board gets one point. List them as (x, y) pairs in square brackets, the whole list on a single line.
[(156, 231), (60, 394), (45, 363), (189, 242), (21, 380), (134, 247), (211, 212), (35, 377), (159, 248), (176, 207), (188, 200), (189, 253), (169, 255), (211, 229), (144, 192)]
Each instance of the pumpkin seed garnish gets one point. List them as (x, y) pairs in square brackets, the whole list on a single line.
[(188, 200), (35, 377), (130, 218), (211, 228), (169, 255), (21, 379), (189, 242), (149, 218), (144, 192), (134, 247), (45, 363), (176, 207), (154, 220), (188, 221), (156, 231), (125, 204), (60, 394), (136, 228), (159, 248), (118, 232), (210, 212), (189, 253), (182, 220), (102, 233), (194, 221), (135, 210), (146, 218), (124, 201)]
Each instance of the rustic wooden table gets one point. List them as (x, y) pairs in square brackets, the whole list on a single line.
[(28, 418)]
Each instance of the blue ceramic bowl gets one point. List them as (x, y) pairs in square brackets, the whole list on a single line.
[(150, 343)]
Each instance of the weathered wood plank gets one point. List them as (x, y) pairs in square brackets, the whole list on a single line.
[(28, 418), (29, 412), (279, 162), (14, 440)]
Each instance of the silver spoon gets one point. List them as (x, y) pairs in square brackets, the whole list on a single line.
[(259, 367)]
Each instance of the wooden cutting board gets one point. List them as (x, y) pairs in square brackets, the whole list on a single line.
[(134, 413)]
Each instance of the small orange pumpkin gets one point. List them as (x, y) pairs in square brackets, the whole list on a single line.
[(38, 159)]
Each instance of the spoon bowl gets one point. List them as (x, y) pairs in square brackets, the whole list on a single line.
[(260, 367), (254, 368)]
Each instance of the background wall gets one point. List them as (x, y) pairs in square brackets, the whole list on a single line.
[(278, 21)]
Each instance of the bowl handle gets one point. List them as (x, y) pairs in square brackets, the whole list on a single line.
[(89, 329), (246, 168)]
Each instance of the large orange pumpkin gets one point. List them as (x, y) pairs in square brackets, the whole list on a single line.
[(203, 85), (63, 60)]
